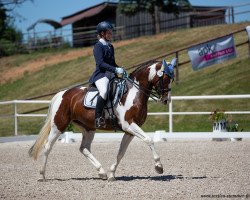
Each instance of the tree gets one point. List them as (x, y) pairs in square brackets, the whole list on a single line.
[(12, 2), (3, 18), (131, 7), (10, 37)]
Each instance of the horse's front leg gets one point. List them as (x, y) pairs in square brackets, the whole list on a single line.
[(127, 138), (134, 129)]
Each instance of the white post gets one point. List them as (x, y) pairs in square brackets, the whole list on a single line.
[(170, 117), (15, 118)]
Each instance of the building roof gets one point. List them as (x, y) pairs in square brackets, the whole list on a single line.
[(86, 13), (51, 22), (95, 10), (210, 8)]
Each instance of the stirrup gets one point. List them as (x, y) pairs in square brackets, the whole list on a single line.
[(99, 122)]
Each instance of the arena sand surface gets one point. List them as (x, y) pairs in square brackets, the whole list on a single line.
[(192, 169)]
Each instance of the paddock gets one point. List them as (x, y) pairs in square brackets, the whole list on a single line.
[(193, 169)]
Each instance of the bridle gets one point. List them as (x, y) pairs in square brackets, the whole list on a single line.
[(158, 91), (161, 90)]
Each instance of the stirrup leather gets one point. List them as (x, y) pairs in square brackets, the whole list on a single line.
[(99, 122)]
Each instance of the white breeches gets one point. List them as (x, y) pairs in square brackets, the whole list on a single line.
[(102, 86)]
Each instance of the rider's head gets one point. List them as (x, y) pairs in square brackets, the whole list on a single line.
[(104, 30)]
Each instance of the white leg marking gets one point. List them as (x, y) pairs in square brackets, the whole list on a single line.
[(127, 138), (54, 132), (134, 129), (53, 136)]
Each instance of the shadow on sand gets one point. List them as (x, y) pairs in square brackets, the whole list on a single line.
[(132, 178), (157, 178)]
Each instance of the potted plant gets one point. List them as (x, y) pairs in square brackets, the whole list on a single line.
[(233, 126), (223, 123)]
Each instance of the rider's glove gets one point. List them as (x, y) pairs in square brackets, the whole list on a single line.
[(119, 70)]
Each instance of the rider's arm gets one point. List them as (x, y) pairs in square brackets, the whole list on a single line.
[(114, 56)]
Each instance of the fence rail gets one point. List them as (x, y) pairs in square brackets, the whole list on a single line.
[(170, 113), (176, 53)]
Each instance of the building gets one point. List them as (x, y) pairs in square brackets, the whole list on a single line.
[(85, 21)]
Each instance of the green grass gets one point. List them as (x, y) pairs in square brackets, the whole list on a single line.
[(231, 77)]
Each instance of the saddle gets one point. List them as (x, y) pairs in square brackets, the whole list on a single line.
[(116, 89)]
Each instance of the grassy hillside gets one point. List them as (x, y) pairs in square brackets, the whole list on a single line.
[(29, 75)]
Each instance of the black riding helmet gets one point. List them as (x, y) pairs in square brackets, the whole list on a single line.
[(104, 26)]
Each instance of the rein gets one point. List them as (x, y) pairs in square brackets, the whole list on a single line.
[(142, 89), (149, 93)]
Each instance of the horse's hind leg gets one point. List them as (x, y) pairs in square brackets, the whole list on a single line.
[(127, 138), (53, 136), (87, 138)]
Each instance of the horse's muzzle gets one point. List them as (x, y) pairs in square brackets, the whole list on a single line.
[(165, 100)]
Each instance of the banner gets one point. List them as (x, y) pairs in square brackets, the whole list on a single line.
[(248, 32), (212, 52)]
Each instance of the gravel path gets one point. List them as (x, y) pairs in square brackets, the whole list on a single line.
[(191, 169)]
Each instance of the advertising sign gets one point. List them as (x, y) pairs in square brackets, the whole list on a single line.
[(212, 52)]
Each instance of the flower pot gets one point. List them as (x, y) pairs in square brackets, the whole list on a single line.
[(218, 127), (67, 137)]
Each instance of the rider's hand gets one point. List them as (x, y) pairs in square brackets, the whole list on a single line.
[(119, 70)]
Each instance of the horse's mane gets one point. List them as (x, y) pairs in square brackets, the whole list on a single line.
[(142, 66)]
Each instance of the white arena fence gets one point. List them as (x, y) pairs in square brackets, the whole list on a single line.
[(170, 134)]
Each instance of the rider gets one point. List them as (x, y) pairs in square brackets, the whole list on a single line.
[(106, 67)]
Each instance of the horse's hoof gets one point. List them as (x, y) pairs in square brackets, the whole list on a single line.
[(43, 174), (111, 179), (103, 176), (159, 169)]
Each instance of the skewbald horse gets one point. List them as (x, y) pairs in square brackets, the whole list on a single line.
[(67, 106)]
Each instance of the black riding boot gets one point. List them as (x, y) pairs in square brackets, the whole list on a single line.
[(99, 121)]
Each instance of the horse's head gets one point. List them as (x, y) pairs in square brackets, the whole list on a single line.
[(163, 79)]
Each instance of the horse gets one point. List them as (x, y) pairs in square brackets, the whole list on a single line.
[(67, 107)]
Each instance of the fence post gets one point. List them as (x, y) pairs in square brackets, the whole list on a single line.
[(248, 34), (170, 110), (15, 118), (232, 11), (177, 67), (229, 15)]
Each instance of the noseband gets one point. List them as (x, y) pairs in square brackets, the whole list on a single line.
[(161, 90)]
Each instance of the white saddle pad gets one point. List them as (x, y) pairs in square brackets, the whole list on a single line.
[(90, 99)]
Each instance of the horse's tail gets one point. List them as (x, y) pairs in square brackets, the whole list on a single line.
[(43, 135)]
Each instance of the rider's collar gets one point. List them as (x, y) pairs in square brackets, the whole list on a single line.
[(104, 42)]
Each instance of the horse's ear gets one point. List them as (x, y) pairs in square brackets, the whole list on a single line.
[(168, 68), (164, 65), (173, 63)]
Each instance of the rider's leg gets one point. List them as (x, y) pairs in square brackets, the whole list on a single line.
[(99, 121), (102, 86)]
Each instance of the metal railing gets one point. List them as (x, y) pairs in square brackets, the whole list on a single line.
[(171, 113)]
